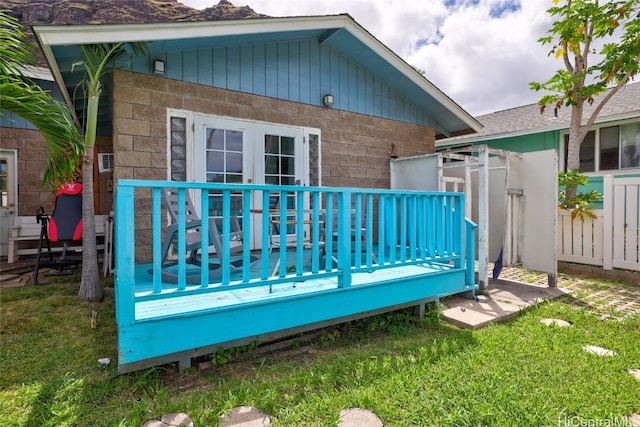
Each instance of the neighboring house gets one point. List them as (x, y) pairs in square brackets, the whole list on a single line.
[(318, 96), (612, 147), (609, 156)]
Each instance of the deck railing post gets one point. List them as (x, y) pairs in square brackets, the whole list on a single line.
[(204, 237), (125, 251), (157, 239), (344, 238), (470, 243), (458, 229)]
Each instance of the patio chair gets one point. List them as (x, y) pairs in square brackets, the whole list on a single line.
[(194, 238), (64, 225)]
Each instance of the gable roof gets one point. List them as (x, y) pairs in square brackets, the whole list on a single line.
[(60, 46), (527, 119)]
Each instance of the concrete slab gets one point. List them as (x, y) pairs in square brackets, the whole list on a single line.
[(502, 301)]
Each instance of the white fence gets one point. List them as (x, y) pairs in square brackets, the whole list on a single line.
[(612, 239)]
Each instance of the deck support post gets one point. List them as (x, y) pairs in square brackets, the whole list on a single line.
[(483, 217), (419, 310), (184, 362)]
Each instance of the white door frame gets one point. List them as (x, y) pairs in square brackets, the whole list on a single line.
[(8, 201), (253, 154)]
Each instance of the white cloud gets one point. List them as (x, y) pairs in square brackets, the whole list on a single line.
[(481, 53)]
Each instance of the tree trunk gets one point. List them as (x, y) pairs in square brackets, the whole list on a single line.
[(575, 137), (571, 192), (90, 286)]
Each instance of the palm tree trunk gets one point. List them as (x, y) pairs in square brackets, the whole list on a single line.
[(90, 287)]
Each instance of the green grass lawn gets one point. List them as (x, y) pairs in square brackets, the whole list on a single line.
[(408, 372)]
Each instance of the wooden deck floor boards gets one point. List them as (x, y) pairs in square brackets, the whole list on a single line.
[(217, 298)]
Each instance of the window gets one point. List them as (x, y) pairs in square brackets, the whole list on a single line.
[(587, 152), (178, 143), (608, 148), (630, 146)]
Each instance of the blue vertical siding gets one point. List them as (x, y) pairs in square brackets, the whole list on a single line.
[(246, 71), (233, 68), (259, 70), (296, 70), (282, 67), (205, 67), (219, 67), (190, 66)]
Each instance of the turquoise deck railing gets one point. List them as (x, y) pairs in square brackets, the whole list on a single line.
[(327, 232)]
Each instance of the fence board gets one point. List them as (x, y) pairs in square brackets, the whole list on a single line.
[(626, 224), (581, 240)]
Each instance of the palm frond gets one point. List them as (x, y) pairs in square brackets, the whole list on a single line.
[(63, 141), (15, 49)]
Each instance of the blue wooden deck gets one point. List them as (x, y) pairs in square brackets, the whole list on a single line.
[(389, 250)]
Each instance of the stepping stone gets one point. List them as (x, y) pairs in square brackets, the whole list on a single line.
[(634, 420), (356, 417), (556, 322), (598, 350), (635, 373), (245, 416), (171, 420)]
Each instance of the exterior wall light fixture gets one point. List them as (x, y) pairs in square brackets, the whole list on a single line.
[(158, 66), (327, 100)]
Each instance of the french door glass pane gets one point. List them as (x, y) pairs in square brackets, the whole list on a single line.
[(279, 165), (279, 169), (224, 164)]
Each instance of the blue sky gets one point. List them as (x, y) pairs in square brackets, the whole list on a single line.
[(481, 53)]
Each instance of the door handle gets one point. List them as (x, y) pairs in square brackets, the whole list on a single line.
[(11, 212), (11, 204)]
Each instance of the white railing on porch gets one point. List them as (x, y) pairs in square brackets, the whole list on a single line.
[(612, 238)]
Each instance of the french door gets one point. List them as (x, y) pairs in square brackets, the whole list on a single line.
[(236, 151)]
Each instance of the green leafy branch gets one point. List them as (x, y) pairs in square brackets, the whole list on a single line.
[(579, 203)]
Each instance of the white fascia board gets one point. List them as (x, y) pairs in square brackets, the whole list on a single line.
[(56, 35)]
